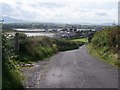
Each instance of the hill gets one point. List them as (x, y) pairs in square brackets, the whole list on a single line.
[(12, 20)]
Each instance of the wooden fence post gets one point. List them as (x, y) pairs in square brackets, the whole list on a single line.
[(16, 42)]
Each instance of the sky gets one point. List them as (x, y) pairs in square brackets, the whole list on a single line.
[(62, 11)]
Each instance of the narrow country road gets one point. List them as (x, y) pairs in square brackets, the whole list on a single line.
[(77, 69)]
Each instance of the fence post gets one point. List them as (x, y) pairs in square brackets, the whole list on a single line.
[(16, 42)]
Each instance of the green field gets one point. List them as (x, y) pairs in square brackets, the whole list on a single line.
[(80, 40)]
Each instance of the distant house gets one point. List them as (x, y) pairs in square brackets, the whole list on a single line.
[(65, 34)]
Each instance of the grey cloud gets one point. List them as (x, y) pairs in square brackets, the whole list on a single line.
[(6, 8), (101, 14), (27, 15), (47, 5)]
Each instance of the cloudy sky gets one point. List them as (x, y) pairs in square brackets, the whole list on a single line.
[(62, 11)]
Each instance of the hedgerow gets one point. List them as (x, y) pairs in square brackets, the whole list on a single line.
[(107, 44)]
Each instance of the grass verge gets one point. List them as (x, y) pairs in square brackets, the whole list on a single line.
[(104, 55)]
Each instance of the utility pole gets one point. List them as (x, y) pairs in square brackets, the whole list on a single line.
[(1, 53), (1, 24), (16, 42)]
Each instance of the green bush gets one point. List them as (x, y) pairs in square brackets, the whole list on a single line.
[(114, 39), (110, 38), (101, 38)]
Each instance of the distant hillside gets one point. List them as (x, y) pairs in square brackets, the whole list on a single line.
[(12, 20)]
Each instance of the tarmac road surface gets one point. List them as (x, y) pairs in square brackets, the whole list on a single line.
[(78, 69)]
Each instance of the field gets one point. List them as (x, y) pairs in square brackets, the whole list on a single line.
[(85, 40)]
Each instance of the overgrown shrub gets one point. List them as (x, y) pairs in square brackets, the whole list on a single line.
[(114, 39), (110, 37), (101, 38)]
